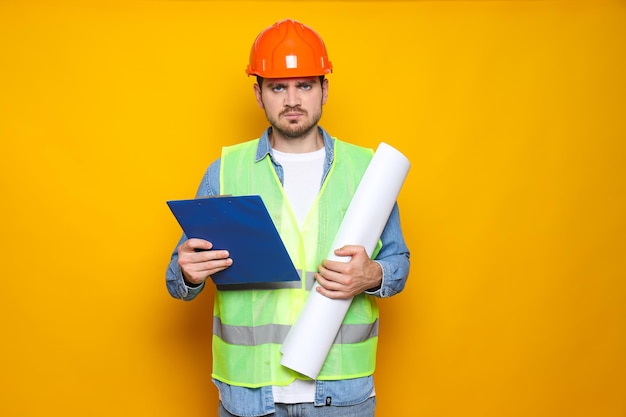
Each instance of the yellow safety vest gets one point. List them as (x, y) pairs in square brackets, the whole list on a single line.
[(249, 325)]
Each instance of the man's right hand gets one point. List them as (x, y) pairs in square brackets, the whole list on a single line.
[(198, 262)]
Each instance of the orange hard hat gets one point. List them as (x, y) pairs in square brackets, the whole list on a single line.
[(288, 49)]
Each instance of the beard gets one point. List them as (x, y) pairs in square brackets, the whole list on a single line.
[(294, 130)]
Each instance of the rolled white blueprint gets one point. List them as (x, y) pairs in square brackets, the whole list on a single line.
[(308, 342)]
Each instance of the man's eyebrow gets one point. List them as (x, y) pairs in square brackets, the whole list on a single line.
[(284, 85), (275, 84)]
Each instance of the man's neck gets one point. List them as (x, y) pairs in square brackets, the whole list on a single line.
[(310, 142)]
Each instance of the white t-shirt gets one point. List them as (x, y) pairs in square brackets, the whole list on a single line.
[(302, 179), (302, 174)]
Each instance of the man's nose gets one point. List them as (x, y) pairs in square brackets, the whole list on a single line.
[(292, 98)]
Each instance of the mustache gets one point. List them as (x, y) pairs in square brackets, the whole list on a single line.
[(291, 109)]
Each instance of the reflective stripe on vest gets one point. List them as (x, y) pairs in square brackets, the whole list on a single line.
[(251, 322), (276, 333)]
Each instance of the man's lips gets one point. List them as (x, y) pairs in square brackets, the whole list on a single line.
[(292, 115)]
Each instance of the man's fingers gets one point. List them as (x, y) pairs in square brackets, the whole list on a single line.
[(331, 293), (330, 280), (198, 261), (350, 250), (195, 244), (200, 271)]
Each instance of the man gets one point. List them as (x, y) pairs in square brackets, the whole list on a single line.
[(306, 178)]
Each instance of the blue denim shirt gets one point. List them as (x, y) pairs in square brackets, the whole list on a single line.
[(393, 259)]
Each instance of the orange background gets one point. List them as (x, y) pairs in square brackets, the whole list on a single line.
[(513, 114)]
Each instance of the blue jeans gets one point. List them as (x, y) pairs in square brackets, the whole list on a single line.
[(364, 409)]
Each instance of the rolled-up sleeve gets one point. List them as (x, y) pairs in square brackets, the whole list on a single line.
[(393, 257)]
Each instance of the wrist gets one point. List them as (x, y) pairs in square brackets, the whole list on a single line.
[(189, 283), (378, 277)]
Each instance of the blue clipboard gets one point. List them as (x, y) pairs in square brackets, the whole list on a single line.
[(243, 226)]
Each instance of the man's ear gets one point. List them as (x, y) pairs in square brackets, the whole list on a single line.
[(324, 91), (257, 94)]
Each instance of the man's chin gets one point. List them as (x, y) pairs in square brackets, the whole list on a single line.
[(292, 133)]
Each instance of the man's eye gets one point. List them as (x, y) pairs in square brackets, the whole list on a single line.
[(278, 89), (305, 86)]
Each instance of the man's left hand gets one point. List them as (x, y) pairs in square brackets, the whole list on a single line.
[(343, 280)]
